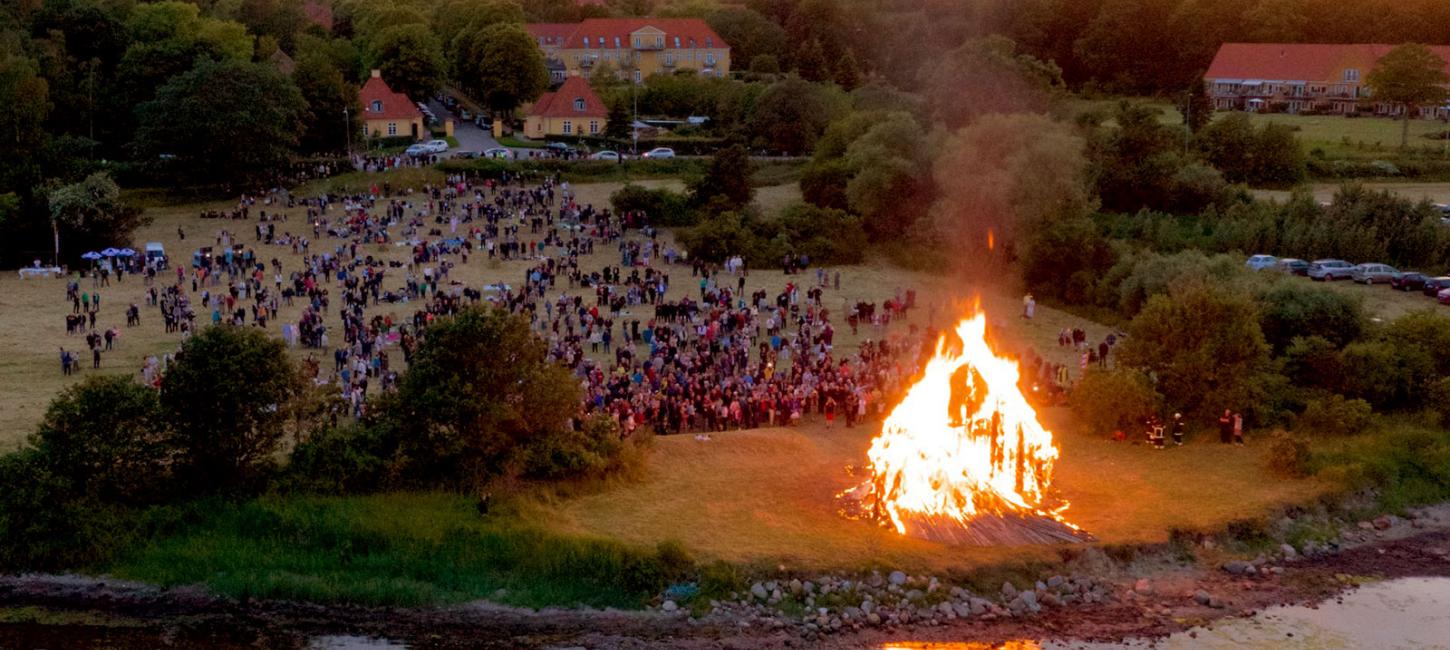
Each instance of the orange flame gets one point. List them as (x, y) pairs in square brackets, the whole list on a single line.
[(963, 442)]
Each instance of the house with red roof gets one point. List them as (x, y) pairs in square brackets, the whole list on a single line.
[(572, 110), (633, 47), (388, 114), (1302, 78), (318, 14)]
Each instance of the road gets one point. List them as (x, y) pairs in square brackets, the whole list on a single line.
[(470, 137)]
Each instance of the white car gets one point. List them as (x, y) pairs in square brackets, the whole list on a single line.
[(660, 153), (1261, 262), (498, 152), (417, 150), (606, 155), (436, 146)]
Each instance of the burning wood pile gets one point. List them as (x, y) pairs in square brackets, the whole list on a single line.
[(963, 458)]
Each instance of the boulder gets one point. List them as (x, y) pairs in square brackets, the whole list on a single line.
[(796, 587), (1201, 597), (758, 590), (1143, 586), (898, 578), (669, 606), (1383, 522), (1288, 551), (961, 610), (1238, 567), (1028, 598), (1008, 591), (1055, 582)]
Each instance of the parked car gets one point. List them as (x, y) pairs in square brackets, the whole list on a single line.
[(1408, 281), (1443, 296), (606, 155), (1370, 273), (1330, 270), (463, 114), (1261, 262), (558, 147), (1294, 266), (419, 149), (156, 255), (498, 152), (660, 153), (436, 146), (1433, 286), (466, 155)]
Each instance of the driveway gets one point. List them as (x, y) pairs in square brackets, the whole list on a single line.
[(470, 137)]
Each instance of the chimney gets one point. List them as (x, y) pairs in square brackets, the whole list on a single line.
[(377, 74)]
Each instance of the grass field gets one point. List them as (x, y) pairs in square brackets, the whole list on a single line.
[(1324, 192), (32, 312), (766, 496)]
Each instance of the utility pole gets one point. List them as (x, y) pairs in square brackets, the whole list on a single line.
[(347, 128), (634, 120)]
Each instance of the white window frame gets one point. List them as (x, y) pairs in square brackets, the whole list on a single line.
[(377, 106), (593, 127), (568, 127), (392, 128)]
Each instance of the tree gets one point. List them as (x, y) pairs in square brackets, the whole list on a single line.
[(1203, 347), (764, 64), (108, 438), (1290, 311), (503, 66), (411, 59), (749, 34), (891, 184), (617, 124), (1266, 155), (997, 77), (92, 210), (228, 397), (791, 114), (1412, 76), (478, 393), (848, 71), (332, 108), (24, 107), (223, 121), (455, 17), (1065, 258), (1025, 170), (726, 180), (810, 62)]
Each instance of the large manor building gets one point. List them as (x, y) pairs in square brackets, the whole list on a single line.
[(632, 47), (1302, 78)]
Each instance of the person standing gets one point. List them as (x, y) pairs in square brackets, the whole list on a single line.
[(1226, 427), (1238, 428), (1178, 429)]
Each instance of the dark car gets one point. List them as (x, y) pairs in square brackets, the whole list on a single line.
[(1433, 286), (1294, 266), (1408, 281)]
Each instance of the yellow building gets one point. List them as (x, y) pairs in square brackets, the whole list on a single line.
[(388, 114), (634, 47), (572, 110)]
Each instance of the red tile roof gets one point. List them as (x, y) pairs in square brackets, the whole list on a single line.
[(318, 14), (563, 102), (1297, 61), (550, 33), (395, 106), (691, 32)]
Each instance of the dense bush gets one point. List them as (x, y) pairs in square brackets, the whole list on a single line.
[(478, 394), (1295, 309), (663, 206), (1113, 400), (1065, 259), (825, 235), (1203, 346), (345, 459), (1266, 155), (1334, 415), (1288, 455), (228, 397), (107, 439), (594, 449)]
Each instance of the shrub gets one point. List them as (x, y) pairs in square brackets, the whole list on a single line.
[(663, 207), (589, 450), (1290, 310), (345, 459), (45, 527), (1288, 455), (228, 397), (1109, 400), (1335, 415), (107, 438)]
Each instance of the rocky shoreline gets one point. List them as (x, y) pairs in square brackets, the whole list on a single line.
[(1153, 594)]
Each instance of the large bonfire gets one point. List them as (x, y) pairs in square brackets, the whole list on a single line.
[(963, 458)]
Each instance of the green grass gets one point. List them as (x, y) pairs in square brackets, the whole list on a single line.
[(404, 549), (511, 141), (1408, 462)]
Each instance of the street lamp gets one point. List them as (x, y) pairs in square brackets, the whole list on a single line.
[(347, 128)]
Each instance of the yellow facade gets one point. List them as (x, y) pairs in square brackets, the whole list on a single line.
[(394, 128), (538, 127), (646, 52)]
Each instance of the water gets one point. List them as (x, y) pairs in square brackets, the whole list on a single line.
[(1408, 613)]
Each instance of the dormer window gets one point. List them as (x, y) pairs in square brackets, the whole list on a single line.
[(677, 42), (1351, 75), (377, 106), (659, 41), (579, 104), (586, 42), (616, 42), (709, 42)]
